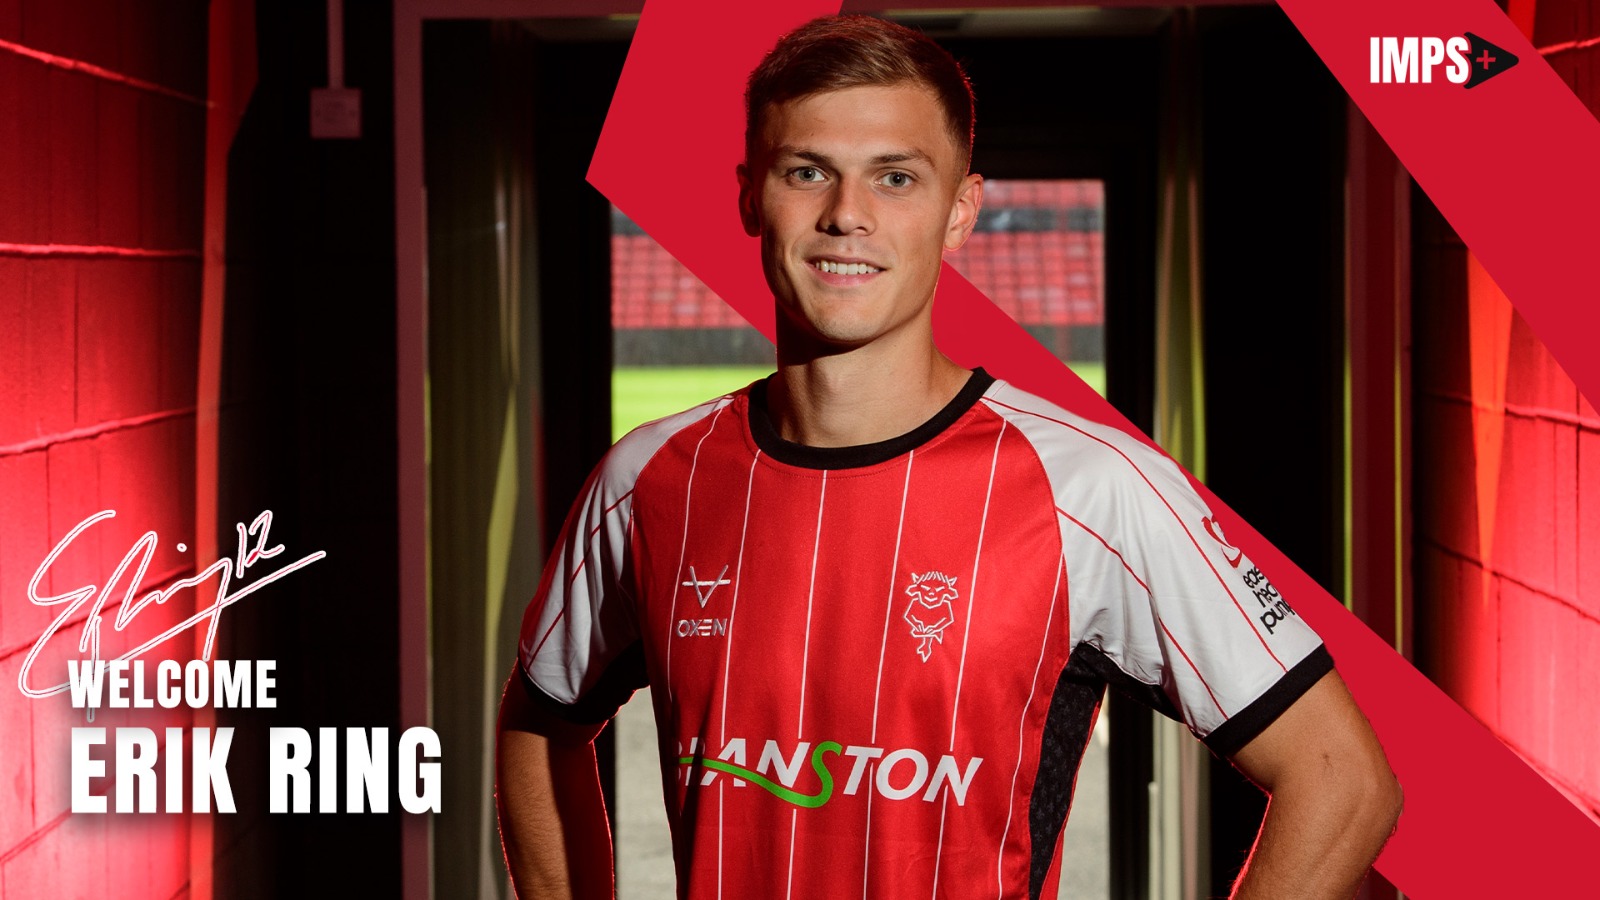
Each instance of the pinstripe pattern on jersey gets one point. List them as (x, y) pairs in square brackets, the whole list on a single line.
[(1135, 576), (570, 581), (883, 647), (1114, 551), (1192, 667), (805, 656), (733, 609), (1134, 537), (688, 498), (972, 597), (733, 612), (1022, 724), (762, 673), (1123, 451), (966, 636), (811, 596), (565, 668)]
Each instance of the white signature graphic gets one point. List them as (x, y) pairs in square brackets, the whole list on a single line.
[(252, 549)]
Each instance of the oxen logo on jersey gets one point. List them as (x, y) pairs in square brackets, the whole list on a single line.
[(929, 613), (1232, 553), (703, 589)]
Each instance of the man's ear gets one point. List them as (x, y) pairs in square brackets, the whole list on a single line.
[(747, 202), (964, 214)]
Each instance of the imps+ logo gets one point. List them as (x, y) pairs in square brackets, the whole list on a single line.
[(1467, 59)]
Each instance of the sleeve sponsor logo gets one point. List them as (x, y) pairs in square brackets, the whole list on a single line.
[(1274, 609), (1230, 552)]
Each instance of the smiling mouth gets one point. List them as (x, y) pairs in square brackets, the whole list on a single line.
[(844, 268)]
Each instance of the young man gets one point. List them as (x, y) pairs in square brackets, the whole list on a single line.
[(878, 596)]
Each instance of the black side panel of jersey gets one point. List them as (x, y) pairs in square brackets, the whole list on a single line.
[(1071, 718), (1066, 734)]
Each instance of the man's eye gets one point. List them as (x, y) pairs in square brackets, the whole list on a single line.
[(807, 173), (897, 180)]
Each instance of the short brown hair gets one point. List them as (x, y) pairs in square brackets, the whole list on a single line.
[(831, 53)]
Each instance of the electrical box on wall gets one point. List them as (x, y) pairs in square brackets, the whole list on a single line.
[(335, 113)]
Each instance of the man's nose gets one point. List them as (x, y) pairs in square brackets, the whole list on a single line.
[(849, 210)]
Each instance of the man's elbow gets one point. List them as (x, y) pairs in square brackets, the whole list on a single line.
[(1388, 799), (1374, 799), (1357, 790)]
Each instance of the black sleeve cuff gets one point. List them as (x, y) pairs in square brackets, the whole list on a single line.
[(600, 703), (1231, 736)]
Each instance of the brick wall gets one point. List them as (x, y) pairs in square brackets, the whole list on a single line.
[(1508, 520), (101, 164)]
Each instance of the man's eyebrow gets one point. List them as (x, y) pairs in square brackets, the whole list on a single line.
[(792, 152), (903, 156), (822, 159)]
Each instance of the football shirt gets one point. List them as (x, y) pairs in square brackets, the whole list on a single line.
[(875, 668)]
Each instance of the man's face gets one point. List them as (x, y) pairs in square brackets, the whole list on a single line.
[(856, 194)]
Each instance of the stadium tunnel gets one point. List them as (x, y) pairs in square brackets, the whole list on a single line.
[(402, 342)]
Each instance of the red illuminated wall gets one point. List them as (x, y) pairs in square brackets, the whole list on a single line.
[(1508, 458), (101, 164)]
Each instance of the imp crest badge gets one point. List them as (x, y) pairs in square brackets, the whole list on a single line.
[(929, 613)]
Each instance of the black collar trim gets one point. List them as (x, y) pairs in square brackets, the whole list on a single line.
[(808, 457)]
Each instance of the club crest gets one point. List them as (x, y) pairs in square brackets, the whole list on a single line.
[(929, 613)]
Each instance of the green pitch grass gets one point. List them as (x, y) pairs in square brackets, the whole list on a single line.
[(642, 394), (1092, 372), (645, 393)]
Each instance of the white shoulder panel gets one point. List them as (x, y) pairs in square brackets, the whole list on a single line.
[(1153, 582), (579, 621)]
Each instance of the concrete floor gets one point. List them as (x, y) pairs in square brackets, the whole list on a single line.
[(644, 850)]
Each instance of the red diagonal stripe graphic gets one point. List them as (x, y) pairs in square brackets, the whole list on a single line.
[(1478, 822), (1511, 163)]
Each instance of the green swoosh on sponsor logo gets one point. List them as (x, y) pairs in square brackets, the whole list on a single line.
[(806, 801)]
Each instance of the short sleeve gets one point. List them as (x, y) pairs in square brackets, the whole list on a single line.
[(1184, 611), (1226, 646), (1161, 604), (578, 650)]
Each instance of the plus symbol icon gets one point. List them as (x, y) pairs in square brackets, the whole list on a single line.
[(1491, 60)]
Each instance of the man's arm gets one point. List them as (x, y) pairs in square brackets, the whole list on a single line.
[(547, 792), (1334, 800)]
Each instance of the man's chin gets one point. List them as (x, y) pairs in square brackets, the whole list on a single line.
[(824, 338)]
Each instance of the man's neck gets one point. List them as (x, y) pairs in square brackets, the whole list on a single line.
[(869, 394)]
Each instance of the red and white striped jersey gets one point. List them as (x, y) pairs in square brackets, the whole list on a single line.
[(875, 668)]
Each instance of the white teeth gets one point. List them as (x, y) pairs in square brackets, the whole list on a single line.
[(834, 268)]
